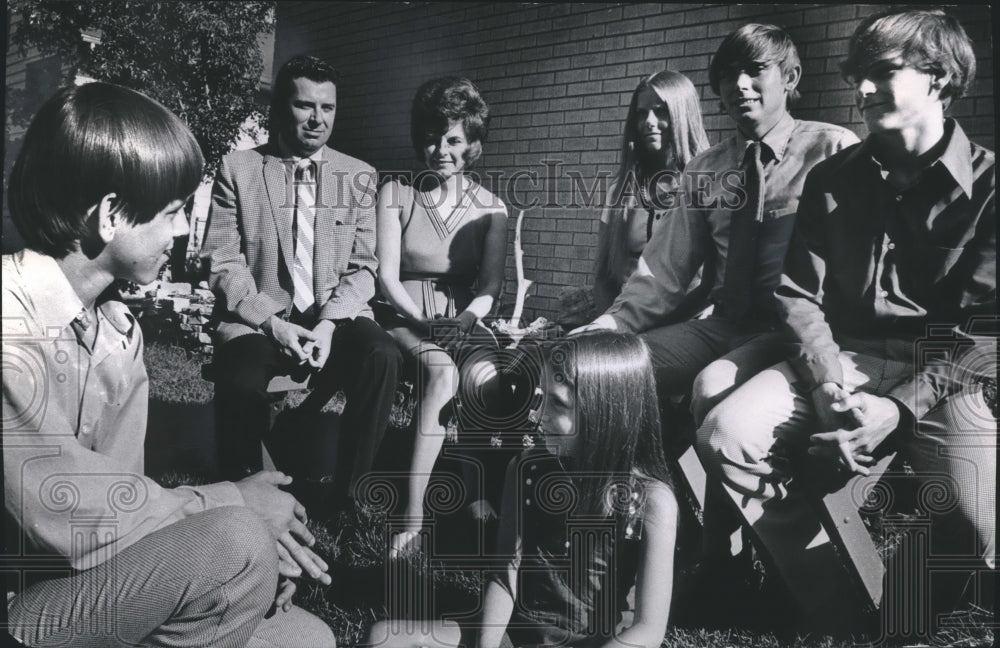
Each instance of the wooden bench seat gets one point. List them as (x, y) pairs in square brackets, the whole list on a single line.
[(839, 513)]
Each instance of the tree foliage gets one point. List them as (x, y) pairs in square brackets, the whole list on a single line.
[(201, 59)]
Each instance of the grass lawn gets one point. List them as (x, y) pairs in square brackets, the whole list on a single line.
[(365, 589)]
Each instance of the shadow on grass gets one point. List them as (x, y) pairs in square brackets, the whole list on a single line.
[(419, 587)]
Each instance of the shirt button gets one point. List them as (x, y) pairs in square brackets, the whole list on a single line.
[(883, 293), (891, 246), (566, 544), (527, 502), (528, 481), (899, 198)]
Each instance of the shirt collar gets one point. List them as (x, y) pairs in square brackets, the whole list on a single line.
[(56, 303), (956, 158), (776, 139), (118, 316)]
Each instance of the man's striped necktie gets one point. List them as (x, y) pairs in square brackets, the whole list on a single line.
[(305, 202)]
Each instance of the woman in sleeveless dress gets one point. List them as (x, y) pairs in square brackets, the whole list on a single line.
[(441, 244)]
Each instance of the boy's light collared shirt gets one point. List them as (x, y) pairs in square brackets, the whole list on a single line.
[(75, 424)]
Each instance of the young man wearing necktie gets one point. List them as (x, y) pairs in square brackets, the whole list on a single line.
[(889, 296), (290, 245), (735, 218)]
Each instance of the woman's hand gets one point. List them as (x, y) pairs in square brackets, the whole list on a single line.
[(466, 320), (449, 332)]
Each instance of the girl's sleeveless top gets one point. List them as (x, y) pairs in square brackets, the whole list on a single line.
[(575, 572)]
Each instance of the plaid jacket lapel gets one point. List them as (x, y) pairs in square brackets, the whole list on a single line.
[(281, 194), (329, 199)]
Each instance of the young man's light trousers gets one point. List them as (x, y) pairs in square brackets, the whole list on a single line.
[(207, 580)]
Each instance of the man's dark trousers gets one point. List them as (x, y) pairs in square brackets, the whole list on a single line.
[(364, 362)]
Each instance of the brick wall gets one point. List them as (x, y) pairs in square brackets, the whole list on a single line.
[(558, 78)]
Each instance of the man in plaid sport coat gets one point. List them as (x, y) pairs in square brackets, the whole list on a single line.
[(264, 329)]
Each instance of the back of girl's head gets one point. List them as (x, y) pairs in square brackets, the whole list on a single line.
[(687, 135), (751, 45), (442, 102), (92, 140), (618, 418)]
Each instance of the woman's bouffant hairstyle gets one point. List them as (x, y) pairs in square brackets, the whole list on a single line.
[(87, 142), (297, 67), (686, 139), (439, 103), (754, 44), (929, 40), (618, 414)]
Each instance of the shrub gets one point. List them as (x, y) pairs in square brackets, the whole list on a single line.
[(202, 60)]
